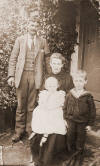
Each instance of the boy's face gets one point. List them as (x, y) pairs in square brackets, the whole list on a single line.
[(79, 83), (56, 65)]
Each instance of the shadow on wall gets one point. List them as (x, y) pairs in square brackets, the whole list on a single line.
[(94, 80)]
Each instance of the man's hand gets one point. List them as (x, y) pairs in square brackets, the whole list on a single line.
[(11, 81), (42, 51), (88, 128)]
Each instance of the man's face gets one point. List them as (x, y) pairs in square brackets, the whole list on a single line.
[(56, 65), (33, 28)]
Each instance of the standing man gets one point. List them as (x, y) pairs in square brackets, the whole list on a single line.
[(25, 72)]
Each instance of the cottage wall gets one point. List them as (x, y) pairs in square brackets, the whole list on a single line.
[(89, 47)]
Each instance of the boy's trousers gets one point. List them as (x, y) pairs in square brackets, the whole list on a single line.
[(26, 96), (76, 136)]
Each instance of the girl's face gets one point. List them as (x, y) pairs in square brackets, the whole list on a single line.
[(79, 83), (52, 86)]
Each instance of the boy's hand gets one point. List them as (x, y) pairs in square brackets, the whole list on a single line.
[(66, 124), (88, 128)]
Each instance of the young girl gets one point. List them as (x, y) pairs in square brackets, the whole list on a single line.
[(80, 113), (47, 120)]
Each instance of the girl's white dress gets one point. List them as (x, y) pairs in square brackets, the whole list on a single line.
[(48, 115)]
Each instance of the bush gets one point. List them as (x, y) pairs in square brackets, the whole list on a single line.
[(12, 25), (13, 18)]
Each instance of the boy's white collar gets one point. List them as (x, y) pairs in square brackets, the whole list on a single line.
[(77, 94)]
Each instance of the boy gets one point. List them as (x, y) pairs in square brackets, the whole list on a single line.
[(80, 114)]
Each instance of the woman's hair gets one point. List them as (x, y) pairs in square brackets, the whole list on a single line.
[(80, 73), (58, 56), (50, 80)]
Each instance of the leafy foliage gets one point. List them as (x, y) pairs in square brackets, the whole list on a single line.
[(61, 35)]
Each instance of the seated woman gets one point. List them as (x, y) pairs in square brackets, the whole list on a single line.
[(49, 128)]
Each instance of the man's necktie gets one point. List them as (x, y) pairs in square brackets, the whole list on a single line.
[(32, 44)]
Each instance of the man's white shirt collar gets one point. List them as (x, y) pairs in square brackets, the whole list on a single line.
[(30, 40)]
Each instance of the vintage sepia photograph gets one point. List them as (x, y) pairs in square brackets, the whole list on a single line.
[(49, 82)]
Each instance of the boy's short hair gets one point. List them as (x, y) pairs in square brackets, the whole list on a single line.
[(80, 73), (58, 56)]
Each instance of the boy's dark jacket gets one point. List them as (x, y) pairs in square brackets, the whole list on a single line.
[(80, 110)]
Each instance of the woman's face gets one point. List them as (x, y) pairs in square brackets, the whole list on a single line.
[(56, 65)]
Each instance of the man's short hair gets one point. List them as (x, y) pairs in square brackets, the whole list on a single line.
[(57, 56), (34, 16)]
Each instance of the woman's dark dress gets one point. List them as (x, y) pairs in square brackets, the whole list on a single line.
[(53, 151)]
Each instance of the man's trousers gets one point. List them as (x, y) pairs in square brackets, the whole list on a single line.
[(26, 96)]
